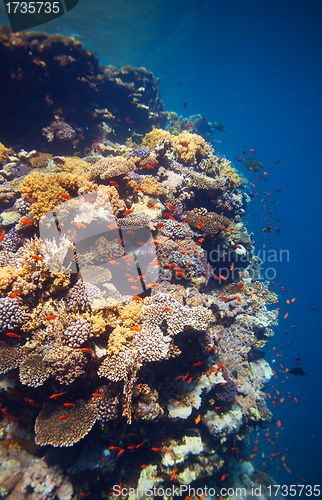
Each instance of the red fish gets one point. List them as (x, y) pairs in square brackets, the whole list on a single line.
[(51, 316), (14, 294), (126, 212), (115, 184), (63, 417), (139, 189), (36, 257), (80, 225), (97, 395), (31, 402), (56, 395), (128, 120), (2, 235), (13, 335), (69, 404), (59, 160), (86, 349), (26, 222), (166, 309), (66, 196)]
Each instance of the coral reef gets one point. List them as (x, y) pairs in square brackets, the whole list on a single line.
[(117, 329)]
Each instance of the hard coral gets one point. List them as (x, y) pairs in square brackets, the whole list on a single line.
[(190, 149), (65, 363), (32, 371), (150, 185), (110, 167), (12, 313), (50, 429), (47, 189), (154, 137), (10, 357)]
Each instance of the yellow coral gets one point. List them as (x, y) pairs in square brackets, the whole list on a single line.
[(4, 153), (119, 339), (151, 186), (153, 138), (8, 275), (75, 165), (190, 149), (47, 189), (131, 314)]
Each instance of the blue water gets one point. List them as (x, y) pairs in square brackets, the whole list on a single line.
[(254, 66)]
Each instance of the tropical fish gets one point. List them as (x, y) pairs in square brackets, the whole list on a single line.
[(66, 196), (63, 417), (26, 222), (297, 371), (13, 335), (115, 184), (253, 164), (219, 126), (56, 395), (198, 419), (51, 316), (2, 235), (14, 294), (36, 257)]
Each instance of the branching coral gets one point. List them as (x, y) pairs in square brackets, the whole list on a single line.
[(111, 167), (190, 149)]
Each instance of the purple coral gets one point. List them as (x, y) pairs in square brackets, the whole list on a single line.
[(140, 152), (226, 393)]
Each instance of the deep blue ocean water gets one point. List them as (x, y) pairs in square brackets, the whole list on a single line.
[(254, 66)]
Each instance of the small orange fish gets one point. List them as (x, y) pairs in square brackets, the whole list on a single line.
[(114, 448), (173, 475), (210, 348), (26, 222), (132, 280), (238, 246), (201, 240), (31, 402), (154, 263), (113, 262), (202, 496), (80, 225), (2, 235), (69, 404), (66, 196), (137, 298), (202, 223), (232, 229), (151, 285), (89, 198), (130, 232), (279, 423), (86, 349), (222, 297), (296, 401), (159, 224), (135, 287), (97, 395), (138, 445), (63, 417), (182, 252), (252, 456), (180, 273), (126, 212), (131, 447), (223, 277), (198, 419), (51, 316), (265, 173), (223, 477), (166, 309), (139, 189), (171, 265), (135, 328), (285, 315), (115, 184), (36, 257), (142, 244), (141, 276), (172, 207), (223, 229), (218, 407), (13, 335), (14, 294), (151, 206), (199, 363), (177, 225), (56, 395), (282, 400), (156, 449), (112, 226), (293, 300), (186, 376), (148, 165)]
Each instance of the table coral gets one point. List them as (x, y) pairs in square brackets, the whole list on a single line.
[(50, 429)]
